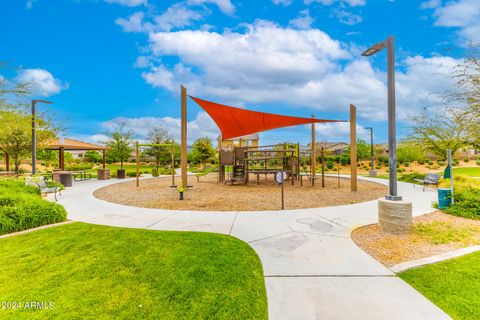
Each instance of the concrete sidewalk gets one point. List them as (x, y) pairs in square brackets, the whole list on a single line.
[(312, 268)]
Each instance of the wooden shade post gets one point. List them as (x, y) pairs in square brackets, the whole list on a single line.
[(353, 148), (173, 163), (323, 168), (183, 156), (104, 160), (137, 158), (314, 155), (6, 158), (61, 158)]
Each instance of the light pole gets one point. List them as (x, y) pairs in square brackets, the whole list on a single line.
[(372, 172), (392, 142), (34, 134)]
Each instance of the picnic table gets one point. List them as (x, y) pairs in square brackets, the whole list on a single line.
[(81, 175)]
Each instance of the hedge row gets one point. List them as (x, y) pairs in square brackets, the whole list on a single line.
[(21, 208)]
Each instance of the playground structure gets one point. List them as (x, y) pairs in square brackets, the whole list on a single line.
[(137, 158), (236, 122), (261, 160)]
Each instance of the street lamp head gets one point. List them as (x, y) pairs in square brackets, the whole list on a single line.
[(42, 101), (374, 49)]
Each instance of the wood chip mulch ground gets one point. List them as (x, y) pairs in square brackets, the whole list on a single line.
[(432, 234), (208, 195)]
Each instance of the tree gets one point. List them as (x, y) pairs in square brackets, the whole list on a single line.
[(202, 150), (363, 150), (16, 134), (467, 95), (49, 156), (120, 144), (409, 152), (438, 133), (93, 156), (160, 154)]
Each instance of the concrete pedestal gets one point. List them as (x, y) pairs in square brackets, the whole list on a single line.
[(372, 173), (395, 216)]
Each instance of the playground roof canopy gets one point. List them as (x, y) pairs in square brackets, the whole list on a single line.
[(234, 122)]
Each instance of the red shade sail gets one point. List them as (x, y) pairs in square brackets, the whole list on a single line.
[(235, 122)]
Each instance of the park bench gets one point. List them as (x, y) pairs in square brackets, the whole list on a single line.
[(41, 184), (431, 179)]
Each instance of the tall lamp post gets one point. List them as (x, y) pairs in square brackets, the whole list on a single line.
[(34, 134), (394, 214), (392, 141), (372, 172)]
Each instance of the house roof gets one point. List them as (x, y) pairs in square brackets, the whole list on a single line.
[(71, 144)]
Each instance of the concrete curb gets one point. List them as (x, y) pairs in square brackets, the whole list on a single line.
[(8, 235), (434, 259)]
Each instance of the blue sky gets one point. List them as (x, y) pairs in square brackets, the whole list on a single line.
[(104, 62)]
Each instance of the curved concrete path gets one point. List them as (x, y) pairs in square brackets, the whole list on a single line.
[(313, 270)]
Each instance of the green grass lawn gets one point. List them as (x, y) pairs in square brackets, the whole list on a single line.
[(97, 272), (470, 172), (453, 285)]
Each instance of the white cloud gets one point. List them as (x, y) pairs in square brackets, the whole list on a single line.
[(303, 20), (177, 16), (284, 3), (462, 14), (430, 4), (330, 2), (128, 3), (345, 16), (43, 82), (225, 6), (134, 23), (338, 131), (304, 68), (201, 126)]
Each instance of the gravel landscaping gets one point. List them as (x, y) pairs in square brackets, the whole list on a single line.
[(432, 234), (208, 195)]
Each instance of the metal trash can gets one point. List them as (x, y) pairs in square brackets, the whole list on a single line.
[(66, 178), (444, 198)]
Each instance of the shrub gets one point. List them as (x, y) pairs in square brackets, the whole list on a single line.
[(406, 164), (79, 166), (329, 165), (441, 162), (400, 170), (155, 172), (467, 203), (21, 207), (466, 160), (422, 161), (378, 167), (131, 174), (410, 177), (430, 163), (344, 161), (478, 162)]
